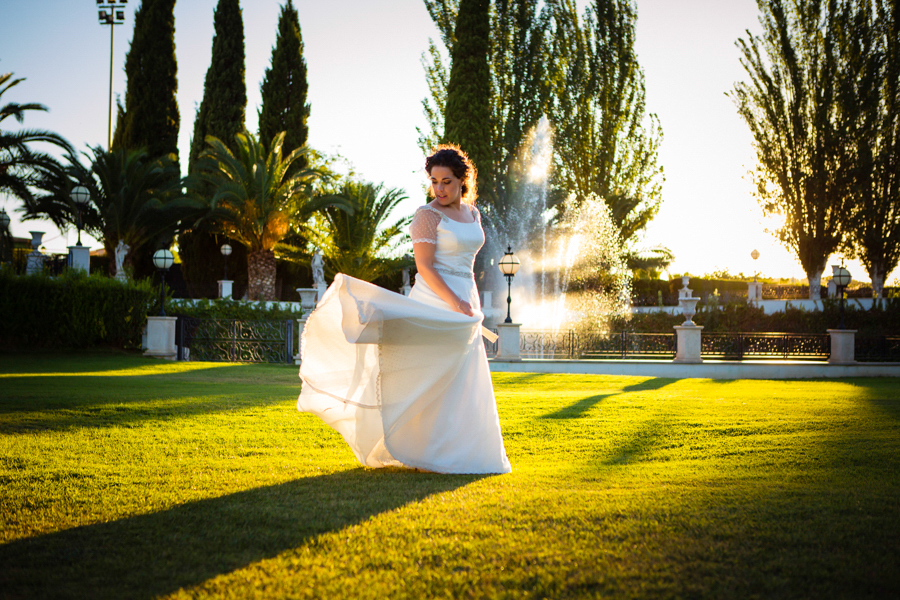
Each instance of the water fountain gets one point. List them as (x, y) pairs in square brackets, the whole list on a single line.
[(573, 273)]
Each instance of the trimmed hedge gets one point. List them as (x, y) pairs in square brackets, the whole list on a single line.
[(73, 310), (228, 308)]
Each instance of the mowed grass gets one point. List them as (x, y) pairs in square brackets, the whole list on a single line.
[(124, 477)]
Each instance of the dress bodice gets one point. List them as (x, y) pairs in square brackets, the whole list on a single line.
[(456, 244)]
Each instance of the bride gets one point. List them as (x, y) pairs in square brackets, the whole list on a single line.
[(404, 380)]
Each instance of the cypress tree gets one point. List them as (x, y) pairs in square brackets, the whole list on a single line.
[(221, 112), (284, 88), (467, 118), (150, 119)]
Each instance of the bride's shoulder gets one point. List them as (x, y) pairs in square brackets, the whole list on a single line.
[(427, 208)]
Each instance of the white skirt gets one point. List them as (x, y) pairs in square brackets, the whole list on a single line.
[(404, 380)]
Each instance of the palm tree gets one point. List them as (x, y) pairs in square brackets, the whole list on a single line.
[(256, 196), (128, 200), (360, 243), (20, 165)]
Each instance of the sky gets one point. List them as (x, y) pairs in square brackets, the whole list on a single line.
[(366, 86)]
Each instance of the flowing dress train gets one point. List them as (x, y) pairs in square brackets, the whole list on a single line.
[(405, 380)]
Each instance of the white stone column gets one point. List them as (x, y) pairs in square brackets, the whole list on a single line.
[(688, 347), (508, 345), (754, 291), (225, 288), (301, 325), (161, 338), (843, 347), (80, 258), (405, 290)]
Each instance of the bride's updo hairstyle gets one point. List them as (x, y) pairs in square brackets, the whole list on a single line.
[(450, 156)]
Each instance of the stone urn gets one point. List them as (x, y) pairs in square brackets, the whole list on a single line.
[(688, 309), (308, 298)]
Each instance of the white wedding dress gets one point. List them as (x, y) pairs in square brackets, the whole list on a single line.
[(405, 380)]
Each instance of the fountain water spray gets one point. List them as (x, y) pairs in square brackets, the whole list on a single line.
[(573, 273)]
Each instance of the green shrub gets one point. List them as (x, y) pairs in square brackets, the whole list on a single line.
[(228, 308), (73, 310)]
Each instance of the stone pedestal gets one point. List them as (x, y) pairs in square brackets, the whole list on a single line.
[(225, 288), (843, 351), (754, 291), (508, 345), (688, 344), (34, 264), (320, 287), (161, 337), (301, 325), (405, 290), (80, 258)]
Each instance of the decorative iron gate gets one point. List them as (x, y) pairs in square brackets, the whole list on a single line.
[(227, 340)]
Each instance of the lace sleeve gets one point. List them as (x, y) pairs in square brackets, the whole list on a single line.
[(424, 226)]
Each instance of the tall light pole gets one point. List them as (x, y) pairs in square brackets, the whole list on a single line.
[(112, 14)]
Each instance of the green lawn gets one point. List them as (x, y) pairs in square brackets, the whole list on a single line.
[(127, 477)]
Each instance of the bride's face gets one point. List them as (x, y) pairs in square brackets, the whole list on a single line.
[(446, 187)]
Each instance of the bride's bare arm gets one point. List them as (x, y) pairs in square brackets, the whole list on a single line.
[(424, 253)]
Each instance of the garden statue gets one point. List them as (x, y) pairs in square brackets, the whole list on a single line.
[(121, 251), (318, 270)]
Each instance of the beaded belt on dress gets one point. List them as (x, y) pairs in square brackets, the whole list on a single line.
[(447, 271)]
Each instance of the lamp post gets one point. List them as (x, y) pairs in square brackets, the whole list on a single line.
[(80, 197), (110, 13), (4, 231), (162, 260), (509, 264), (226, 252), (841, 278)]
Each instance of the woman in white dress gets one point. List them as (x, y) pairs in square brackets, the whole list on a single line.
[(405, 380)]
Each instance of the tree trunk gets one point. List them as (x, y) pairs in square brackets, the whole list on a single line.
[(261, 275), (815, 283), (876, 274)]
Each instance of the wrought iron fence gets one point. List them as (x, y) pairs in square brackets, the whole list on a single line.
[(755, 346), (884, 348), (595, 344), (227, 340), (490, 348)]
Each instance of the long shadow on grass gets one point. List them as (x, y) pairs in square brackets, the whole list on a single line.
[(131, 409), (149, 555), (577, 410)]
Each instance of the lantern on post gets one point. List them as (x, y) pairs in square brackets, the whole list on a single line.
[(162, 260), (226, 252), (509, 264), (80, 198), (841, 278)]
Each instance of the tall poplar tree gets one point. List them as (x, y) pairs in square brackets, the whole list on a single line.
[(518, 88), (221, 112), (150, 116), (284, 89), (467, 117), (803, 104), (875, 229), (606, 143)]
